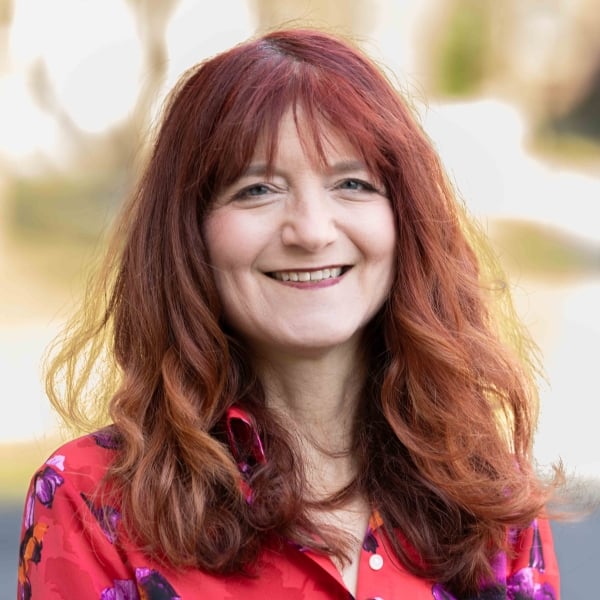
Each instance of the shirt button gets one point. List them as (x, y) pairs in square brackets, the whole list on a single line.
[(376, 561)]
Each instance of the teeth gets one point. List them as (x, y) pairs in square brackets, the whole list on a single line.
[(303, 276)]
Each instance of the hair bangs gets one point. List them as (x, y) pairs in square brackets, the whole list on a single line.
[(324, 101)]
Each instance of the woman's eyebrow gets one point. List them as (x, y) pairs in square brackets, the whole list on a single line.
[(258, 169), (339, 168), (346, 166)]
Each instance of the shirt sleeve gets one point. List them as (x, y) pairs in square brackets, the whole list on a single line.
[(67, 545), (534, 571)]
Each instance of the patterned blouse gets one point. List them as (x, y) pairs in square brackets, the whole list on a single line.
[(69, 549)]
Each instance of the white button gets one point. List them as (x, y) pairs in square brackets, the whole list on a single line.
[(376, 562)]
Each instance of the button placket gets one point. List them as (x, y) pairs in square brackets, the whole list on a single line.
[(376, 562)]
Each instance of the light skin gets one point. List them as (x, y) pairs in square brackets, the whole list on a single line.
[(303, 259)]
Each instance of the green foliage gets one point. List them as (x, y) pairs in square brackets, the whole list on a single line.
[(70, 208), (583, 119), (57, 223), (570, 148), (540, 251), (462, 50)]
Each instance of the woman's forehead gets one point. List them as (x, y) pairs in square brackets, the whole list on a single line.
[(322, 142)]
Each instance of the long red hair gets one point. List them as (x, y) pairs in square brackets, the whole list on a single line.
[(444, 432)]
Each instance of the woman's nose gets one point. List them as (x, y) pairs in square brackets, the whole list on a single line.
[(309, 222)]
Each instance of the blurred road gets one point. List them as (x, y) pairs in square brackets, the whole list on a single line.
[(577, 548), (578, 551), (10, 523)]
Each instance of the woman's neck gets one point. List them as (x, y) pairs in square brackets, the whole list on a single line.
[(320, 395), (319, 398)]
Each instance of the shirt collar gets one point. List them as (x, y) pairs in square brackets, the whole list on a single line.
[(244, 441), (248, 451)]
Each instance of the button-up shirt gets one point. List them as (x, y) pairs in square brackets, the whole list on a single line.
[(69, 548)]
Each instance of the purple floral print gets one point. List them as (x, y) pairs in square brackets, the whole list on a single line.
[(107, 438), (44, 487), (30, 551), (124, 589), (536, 554), (46, 482), (492, 592), (522, 586), (439, 593), (370, 543), (153, 586), (107, 518)]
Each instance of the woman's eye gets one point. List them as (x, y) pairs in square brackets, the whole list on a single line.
[(356, 184), (253, 191)]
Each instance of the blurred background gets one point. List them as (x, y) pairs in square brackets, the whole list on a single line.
[(509, 92)]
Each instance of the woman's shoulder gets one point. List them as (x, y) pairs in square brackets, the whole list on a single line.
[(533, 571), (96, 443), (106, 438), (69, 480), (84, 458)]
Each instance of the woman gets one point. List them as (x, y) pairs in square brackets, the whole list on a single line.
[(311, 396)]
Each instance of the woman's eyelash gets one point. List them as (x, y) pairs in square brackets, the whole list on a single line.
[(257, 190), (357, 184), (252, 191)]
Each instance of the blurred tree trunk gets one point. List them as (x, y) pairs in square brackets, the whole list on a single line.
[(354, 17), (119, 143), (152, 20), (72, 207), (455, 47), (6, 15)]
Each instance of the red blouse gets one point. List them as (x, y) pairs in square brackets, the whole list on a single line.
[(68, 551)]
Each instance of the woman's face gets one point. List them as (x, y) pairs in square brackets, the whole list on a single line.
[(302, 259)]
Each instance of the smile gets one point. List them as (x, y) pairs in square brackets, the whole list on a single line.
[(303, 276)]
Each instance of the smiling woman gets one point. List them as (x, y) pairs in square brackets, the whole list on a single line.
[(303, 251), (290, 370)]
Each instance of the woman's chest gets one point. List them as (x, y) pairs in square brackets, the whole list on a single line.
[(287, 573)]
